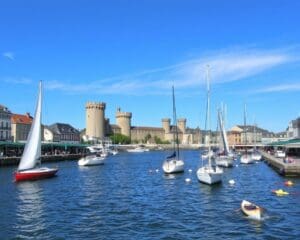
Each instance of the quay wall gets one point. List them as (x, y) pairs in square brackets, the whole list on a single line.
[(283, 168), (11, 161)]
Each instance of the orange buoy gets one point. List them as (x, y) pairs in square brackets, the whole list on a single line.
[(288, 183)]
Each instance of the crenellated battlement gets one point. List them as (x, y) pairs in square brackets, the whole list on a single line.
[(95, 105)]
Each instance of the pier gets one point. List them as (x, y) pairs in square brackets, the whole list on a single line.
[(285, 168)]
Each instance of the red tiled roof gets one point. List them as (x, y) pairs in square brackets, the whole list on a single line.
[(21, 119)]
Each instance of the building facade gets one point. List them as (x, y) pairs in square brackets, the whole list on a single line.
[(5, 124), (20, 126), (293, 130), (61, 132)]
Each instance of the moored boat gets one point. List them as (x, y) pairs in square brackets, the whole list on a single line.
[(91, 160), (251, 210)]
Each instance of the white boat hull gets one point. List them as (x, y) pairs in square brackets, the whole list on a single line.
[(91, 161), (173, 166), (251, 210), (210, 175), (256, 156), (224, 161), (246, 159)]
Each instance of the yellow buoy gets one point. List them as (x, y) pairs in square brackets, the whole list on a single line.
[(280, 192)]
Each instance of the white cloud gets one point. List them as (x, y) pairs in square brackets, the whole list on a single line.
[(232, 65), (22, 80), (9, 55), (281, 88)]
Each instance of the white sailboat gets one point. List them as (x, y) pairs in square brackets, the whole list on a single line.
[(30, 164), (209, 174), (246, 157), (173, 164), (223, 159)]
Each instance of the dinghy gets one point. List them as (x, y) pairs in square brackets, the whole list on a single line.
[(251, 210)]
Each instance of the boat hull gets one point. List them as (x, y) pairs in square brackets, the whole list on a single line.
[(91, 161), (210, 175), (224, 161), (246, 159), (251, 210), (35, 174), (173, 166), (256, 156)]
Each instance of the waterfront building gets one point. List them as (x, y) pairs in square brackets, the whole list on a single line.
[(293, 130), (5, 124), (20, 126), (61, 132)]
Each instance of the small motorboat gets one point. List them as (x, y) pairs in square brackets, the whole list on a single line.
[(280, 192), (91, 160), (251, 210)]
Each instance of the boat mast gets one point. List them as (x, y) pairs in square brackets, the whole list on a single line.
[(208, 115), (175, 136), (245, 128)]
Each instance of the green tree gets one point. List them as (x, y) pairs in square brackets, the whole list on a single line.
[(120, 139)]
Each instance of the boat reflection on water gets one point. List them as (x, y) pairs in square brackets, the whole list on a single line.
[(30, 210)]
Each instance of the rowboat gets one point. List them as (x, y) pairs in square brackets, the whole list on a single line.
[(251, 210)]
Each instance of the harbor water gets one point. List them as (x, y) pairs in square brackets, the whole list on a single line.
[(129, 197)]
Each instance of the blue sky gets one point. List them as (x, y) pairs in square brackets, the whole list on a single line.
[(129, 53)]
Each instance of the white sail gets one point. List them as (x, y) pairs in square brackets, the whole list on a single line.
[(32, 152), (223, 133)]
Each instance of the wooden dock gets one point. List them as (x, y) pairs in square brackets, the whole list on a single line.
[(286, 169)]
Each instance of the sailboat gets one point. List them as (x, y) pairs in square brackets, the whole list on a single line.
[(223, 159), (246, 157), (173, 164), (209, 174), (30, 164)]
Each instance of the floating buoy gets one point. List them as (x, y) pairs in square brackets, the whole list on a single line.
[(190, 170), (236, 165), (231, 182), (187, 180), (280, 192), (156, 170), (288, 183), (150, 170)]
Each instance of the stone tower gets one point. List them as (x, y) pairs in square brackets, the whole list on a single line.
[(166, 124), (123, 120), (95, 121), (181, 122)]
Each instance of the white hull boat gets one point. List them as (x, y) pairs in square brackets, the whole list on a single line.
[(138, 150), (251, 210), (173, 166), (256, 156), (246, 159), (91, 160), (210, 175), (224, 161)]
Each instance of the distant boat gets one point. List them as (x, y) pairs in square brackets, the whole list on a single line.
[(251, 210), (246, 157), (209, 174), (30, 164), (91, 160), (138, 149), (223, 159), (173, 164)]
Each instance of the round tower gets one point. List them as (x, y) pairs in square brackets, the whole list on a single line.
[(95, 121), (123, 120), (181, 122), (166, 124)]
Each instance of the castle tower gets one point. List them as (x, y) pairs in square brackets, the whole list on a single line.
[(181, 122), (95, 121), (123, 120), (166, 124)]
